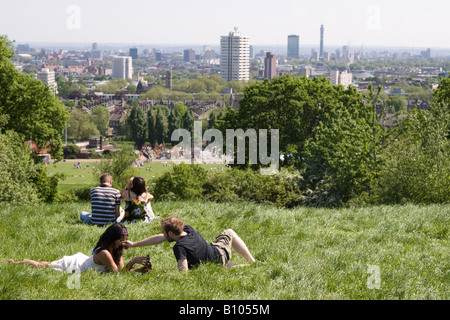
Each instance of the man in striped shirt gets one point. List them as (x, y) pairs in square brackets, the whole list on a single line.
[(105, 202)]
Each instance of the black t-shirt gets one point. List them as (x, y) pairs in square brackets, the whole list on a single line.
[(195, 249)]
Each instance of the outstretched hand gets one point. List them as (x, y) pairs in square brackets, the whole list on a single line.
[(127, 244)]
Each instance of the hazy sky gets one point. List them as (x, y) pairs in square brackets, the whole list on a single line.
[(400, 23)]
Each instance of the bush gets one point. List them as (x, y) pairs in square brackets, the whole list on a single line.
[(192, 182), (71, 148), (22, 181), (281, 189), (119, 165), (183, 182)]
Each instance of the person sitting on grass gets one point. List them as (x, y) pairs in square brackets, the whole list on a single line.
[(105, 204), (191, 249), (137, 201), (107, 256)]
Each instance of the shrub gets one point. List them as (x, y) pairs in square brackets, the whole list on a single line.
[(281, 189), (23, 181), (183, 182), (119, 165)]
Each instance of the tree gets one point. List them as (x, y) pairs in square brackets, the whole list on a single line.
[(151, 127), (295, 106), (161, 127), (81, 126), (30, 107), (137, 126), (188, 121), (21, 175), (398, 103), (100, 116), (119, 164)]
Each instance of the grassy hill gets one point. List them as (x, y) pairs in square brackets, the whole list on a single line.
[(308, 253)]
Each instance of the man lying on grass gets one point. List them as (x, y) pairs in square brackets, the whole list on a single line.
[(191, 249)]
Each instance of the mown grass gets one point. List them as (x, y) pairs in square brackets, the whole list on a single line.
[(308, 253), (85, 177)]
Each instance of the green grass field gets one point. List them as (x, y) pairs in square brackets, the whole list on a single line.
[(76, 178), (308, 254)]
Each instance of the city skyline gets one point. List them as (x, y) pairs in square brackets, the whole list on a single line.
[(355, 23)]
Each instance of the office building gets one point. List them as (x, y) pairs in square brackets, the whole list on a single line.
[(341, 78), (235, 57), (321, 42), (122, 68), (426, 54), (48, 77), (134, 53), (293, 49), (270, 66), (189, 55), (158, 56), (95, 52)]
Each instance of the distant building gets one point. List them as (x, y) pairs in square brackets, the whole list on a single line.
[(122, 68), (235, 57), (270, 66), (169, 80), (189, 55), (23, 48), (48, 77), (341, 78), (134, 53), (426, 54), (95, 52), (321, 42), (158, 56), (293, 49), (314, 55), (307, 71)]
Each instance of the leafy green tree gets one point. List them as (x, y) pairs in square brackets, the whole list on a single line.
[(112, 86), (397, 103), (161, 127), (137, 126), (188, 121), (295, 106), (340, 162), (100, 116), (81, 126), (151, 127), (30, 107), (119, 164), (23, 181)]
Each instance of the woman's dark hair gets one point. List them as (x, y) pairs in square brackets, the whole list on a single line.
[(139, 186), (113, 233)]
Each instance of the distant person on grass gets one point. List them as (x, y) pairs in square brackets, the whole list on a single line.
[(191, 249), (137, 201), (107, 256), (105, 204)]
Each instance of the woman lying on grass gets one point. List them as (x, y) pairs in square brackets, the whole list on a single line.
[(107, 256)]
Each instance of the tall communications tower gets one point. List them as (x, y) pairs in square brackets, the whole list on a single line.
[(321, 42)]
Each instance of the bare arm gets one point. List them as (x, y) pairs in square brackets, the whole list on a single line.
[(156, 239), (183, 265), (117, 212), (105, 259)]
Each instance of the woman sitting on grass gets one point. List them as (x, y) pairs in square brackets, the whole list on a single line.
[(137, 201), (107, 256)]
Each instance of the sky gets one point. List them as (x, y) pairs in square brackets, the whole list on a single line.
[(397, 23)]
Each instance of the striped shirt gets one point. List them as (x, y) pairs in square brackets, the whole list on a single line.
[(104, 200)]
